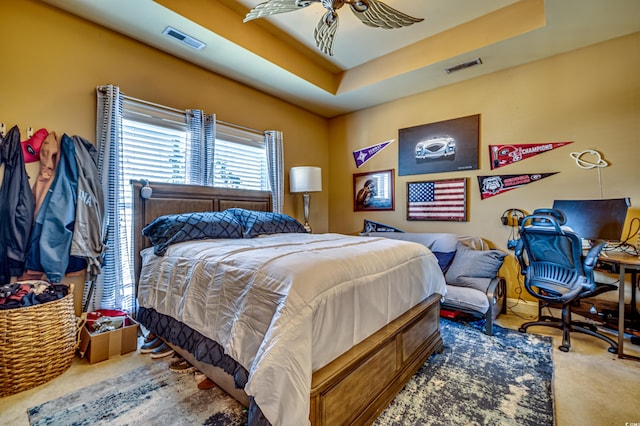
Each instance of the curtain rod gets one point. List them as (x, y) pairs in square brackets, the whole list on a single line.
[(237, 126), (142, 101)]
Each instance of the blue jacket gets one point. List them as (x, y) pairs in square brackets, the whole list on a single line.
[(16, 207)]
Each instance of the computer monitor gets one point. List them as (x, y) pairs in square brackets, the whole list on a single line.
[(595, 219)]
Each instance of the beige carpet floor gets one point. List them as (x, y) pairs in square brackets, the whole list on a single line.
[(591, 386)]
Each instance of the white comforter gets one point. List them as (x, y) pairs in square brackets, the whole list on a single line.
[(285, 305)]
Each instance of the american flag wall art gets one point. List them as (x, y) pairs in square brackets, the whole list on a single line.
[(444, 200)]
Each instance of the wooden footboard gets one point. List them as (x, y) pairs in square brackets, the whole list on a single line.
[(357, 386)]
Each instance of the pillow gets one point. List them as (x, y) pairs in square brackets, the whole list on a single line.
[(256, 223), (175, 228), (474, 268), (444, 259)]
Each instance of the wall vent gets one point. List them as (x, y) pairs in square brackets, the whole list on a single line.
[(464, 65), (183, 38)]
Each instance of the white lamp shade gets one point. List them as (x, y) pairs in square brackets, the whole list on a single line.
[(305, 179)]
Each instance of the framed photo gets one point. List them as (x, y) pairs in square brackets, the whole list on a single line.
[(373, 191), (444, 200), (444, 146)]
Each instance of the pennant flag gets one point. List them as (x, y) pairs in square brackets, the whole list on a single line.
[(494, 185), (365, 154), (437, 200), (371, 226), (503, 155)]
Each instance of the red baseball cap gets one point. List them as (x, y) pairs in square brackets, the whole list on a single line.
[(31, 147)]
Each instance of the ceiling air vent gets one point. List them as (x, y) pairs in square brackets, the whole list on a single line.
[(463, 66), (182, 37)]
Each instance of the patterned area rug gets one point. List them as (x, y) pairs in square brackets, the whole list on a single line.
[(478, 380), (505, 379), (148, 395)]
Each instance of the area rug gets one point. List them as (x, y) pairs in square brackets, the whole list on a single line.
[(505, 379), (148, 395)]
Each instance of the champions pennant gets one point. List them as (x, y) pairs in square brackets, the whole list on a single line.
[(365, 154), (503, 155), (494, 185)]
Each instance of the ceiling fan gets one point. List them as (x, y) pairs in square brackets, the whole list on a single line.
[(373, 13)]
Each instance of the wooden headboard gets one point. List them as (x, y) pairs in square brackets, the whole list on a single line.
[(169, 198)]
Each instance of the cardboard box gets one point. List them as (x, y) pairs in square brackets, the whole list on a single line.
[(98, 347)]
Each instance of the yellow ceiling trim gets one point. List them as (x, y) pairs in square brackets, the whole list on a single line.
[(497, 26), (253, 37)]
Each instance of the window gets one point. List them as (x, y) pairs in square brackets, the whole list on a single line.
[(156, 147), (154, 144), (239, 159)]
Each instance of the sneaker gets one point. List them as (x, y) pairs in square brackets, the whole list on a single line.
[(181, 365), (151, 346), (162, 351)]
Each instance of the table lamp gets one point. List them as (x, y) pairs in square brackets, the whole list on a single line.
[(305, 179)]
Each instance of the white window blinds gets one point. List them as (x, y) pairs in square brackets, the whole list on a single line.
[(156, 148), (154, 143), (239, 159)]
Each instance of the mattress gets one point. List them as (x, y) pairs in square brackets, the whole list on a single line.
[(285, 305)]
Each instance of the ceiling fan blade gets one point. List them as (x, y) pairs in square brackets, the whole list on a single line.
[(274, 7), (381, 15), (325, 32)]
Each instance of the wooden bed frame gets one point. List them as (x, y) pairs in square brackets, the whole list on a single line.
[(358, 385)]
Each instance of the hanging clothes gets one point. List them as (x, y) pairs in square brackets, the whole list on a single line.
[(16, 207), (87, 242), (49, 152), (50, 241)]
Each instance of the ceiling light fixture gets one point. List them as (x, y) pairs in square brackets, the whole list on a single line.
[(464, 65), (183, 38), (373, 13)]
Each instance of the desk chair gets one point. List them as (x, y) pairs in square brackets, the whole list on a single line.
[(556, 273)]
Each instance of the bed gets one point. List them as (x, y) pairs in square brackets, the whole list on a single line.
[(347, 365)]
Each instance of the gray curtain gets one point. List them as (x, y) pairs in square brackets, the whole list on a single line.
[(209, 149), (275, 164), (115, 285), (201, 140)]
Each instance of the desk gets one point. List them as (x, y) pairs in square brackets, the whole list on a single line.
[(622, 262)]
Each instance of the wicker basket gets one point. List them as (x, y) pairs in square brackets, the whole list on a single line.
[(37, 344)]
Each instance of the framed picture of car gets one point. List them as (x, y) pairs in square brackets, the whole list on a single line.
[(373, 190), (444, 146)]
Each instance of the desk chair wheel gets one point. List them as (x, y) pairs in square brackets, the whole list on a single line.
[(613, 350), (563, 348)]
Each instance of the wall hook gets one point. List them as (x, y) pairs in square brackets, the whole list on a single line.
[(29, 132), (3, 128)]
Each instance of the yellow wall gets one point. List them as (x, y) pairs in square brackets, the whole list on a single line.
[(53, 62), (590, 96)]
